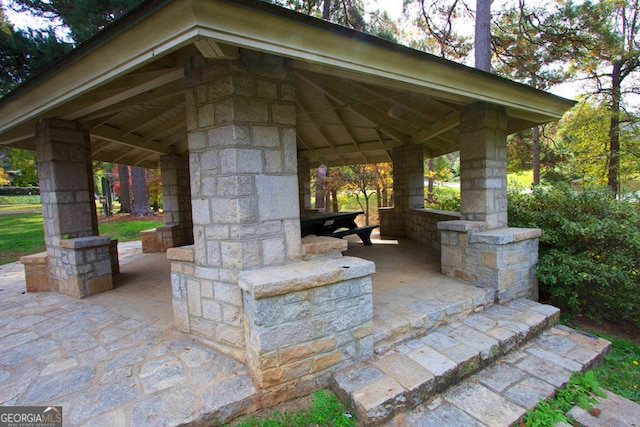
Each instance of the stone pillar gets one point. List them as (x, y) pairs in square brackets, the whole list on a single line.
[(483, 164), (480, 248), (79, 261), (304, 183), (408, 189), (241, 118), (176, 197)]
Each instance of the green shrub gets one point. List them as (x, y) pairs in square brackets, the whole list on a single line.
[(446, 199), (589, 249)]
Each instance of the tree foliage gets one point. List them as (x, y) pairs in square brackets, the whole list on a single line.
[(608, 53), (25, 53), (588, 249)]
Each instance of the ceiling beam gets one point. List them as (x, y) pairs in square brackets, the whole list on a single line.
[(112, 134), (128, 93), (452, 121)]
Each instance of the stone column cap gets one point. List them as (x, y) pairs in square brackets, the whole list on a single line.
[(85, 242), (503, 236), (462, 225), (279, 280), (38, 258), (181, 253)]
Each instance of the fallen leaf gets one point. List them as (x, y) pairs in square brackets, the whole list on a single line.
[(595, 412)]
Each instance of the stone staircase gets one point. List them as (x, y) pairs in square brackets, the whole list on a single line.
[(487, 368)]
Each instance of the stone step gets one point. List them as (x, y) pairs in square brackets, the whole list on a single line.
[(414, 372), (391, 327)]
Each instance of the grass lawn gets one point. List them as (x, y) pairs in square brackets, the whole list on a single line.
[(22, 233)]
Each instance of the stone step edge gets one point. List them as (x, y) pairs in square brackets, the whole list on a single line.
[(447, 315), (388, 388)]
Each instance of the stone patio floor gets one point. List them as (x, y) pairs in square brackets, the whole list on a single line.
[(115, 358)]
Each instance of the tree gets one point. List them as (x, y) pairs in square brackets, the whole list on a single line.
[(360, 180), (25, 53), (584, 131), (140, 194), (608, 53), (531, 46), (83, 18), (23, 163), (482, 43), (436, 19), (125, 189)]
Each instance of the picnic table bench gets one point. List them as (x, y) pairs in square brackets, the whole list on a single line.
[(336, 224)]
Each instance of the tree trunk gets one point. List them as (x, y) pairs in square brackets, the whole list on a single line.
[(536, 155), (482, 42), (326, 10), (140, 193), (125, 189), (321, 174), (430, 198), (614, 130), (334, 199)]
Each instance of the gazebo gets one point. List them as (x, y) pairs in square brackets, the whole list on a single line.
[(235, 101)]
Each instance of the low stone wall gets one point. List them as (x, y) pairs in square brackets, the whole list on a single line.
[(86, 266), (205, 306), (502, 259), (420, 225), (299, 322), (305, 321), (36, 272), (161, 238)]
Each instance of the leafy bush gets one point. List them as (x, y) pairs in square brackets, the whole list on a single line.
[(446, 199), (589, 249)]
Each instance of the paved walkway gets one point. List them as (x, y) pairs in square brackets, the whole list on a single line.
[(108, 362)]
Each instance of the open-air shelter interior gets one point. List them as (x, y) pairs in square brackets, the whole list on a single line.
[(235, 101)]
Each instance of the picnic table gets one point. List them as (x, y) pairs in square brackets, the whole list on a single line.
[(336, 224)]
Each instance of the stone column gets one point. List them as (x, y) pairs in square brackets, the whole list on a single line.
[(176, 197), (241, 119), (304, 183), (480, 248), (483, 164), (408, 189), (79, 262)]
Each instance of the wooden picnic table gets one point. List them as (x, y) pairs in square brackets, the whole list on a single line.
[(336, 224)]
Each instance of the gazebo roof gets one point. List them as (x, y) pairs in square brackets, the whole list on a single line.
[(357, 96)]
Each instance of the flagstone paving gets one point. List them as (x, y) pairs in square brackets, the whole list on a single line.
[(106, 368)]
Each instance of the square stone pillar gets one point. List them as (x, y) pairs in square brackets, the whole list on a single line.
[(176, 197), (304, 183), (483, 164), (408, 189), (79, 262), (241, 118)]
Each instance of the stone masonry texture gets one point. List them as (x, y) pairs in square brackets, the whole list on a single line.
[(176, 196), (483, 164), (79, 262), (243, 167), (306, 321)]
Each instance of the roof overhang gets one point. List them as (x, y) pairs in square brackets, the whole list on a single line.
[(132, 73)]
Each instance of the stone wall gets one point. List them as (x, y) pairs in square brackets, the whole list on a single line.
[(161, 238), (420, 225), (176, 197), (305, 321), (86, 266), (501, 259)]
